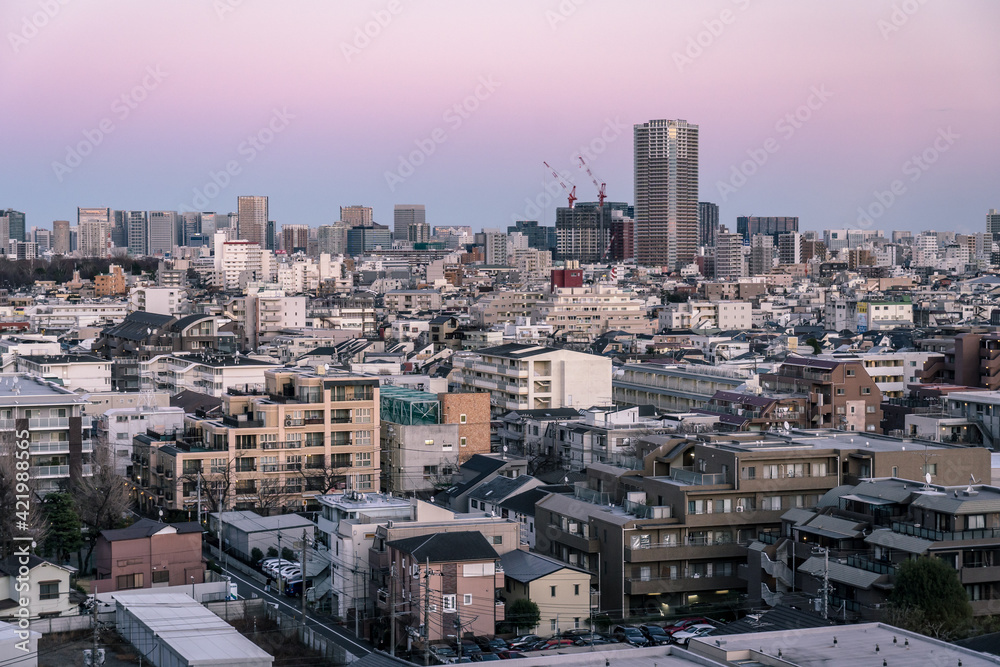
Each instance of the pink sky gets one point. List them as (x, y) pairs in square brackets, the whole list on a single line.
[(559, 77)]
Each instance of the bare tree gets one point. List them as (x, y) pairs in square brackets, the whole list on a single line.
[(19, 497), (102, 500), (269, 494)]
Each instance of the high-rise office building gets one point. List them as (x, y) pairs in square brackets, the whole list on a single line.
[(404, 215), (271, 236), (60, 237), (119, 229), (332, 239), (993, 224), (357, 216), (708, 222), (190, 226), (750, 226), (94, 231), (162, 232), (666, 192), (366, 238), (539, 238), (761, 254), (790, 248), (138, 226), (5, 240), (252, 221), (294, 238), (42, 238), (15, 224)]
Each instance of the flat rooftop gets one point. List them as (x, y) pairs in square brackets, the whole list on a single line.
[(17, 387), (826, 439), (814, 647)]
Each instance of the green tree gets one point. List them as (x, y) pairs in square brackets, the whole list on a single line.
[(928, 597), (815, 345), (288, 554), (272, 552), (64, 526), (523, 615), (256, 555)]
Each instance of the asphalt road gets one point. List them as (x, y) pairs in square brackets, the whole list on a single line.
[(249, 588)]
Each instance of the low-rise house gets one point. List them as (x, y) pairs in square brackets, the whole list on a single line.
[(561, 592), (47, 588), (149, 554)]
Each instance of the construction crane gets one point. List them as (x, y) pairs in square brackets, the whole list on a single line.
[(572, 193), (601, 187)]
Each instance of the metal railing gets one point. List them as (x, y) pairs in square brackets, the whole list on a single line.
[(943, 536)]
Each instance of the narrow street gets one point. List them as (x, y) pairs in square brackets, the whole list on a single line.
[(249, 588)]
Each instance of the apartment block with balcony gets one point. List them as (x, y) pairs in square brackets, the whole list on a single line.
[(533, 377), (51, 418), (841, 394), (276, 447), (584, 313), (211, 374), (674, 388), (973, 360)]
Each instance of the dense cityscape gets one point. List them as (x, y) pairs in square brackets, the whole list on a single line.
[(672, 417)]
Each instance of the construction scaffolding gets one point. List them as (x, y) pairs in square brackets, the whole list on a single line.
[(409, 407)]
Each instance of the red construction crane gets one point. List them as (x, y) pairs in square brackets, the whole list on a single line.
[(601, 187), (572, 193)]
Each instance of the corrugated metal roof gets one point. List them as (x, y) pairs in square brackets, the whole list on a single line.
[(835, 525), (525, 567), (890, 540), (798, 516), (984, 503), (840, 573)]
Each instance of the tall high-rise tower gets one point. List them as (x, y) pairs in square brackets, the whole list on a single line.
[(95, 231), (708, 222), (253, 219), (404, 215), (992, 223), (666, 192)]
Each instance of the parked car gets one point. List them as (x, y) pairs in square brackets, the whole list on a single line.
[(656, 635), (443, 652), (288, 570), (591, 639), (684, 624), (490, 644), (294, 587), (697, 630), (485, 657), (628, 634), (556, 642), (469, 648), (523, 640), (270, 569), (509, 655)]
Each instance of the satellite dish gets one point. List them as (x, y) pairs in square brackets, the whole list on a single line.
[(787, 427), (505, 448), (927, 478), (326, 367)]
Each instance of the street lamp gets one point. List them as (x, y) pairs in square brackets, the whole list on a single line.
[(192, 589)]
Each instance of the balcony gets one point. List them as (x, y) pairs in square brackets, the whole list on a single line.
[(48, 422), (980, 575), (57, 447), (281, 467), (241, 421), (50, 471), (694, 548), (574, 540), (945, 536), (688, 584)]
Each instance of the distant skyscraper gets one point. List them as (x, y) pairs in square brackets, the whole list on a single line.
[(708, 222), (587, 232), (94, 231), (253, 219), (362, 239), (15, 222), (789, 248), (666, 192), (357, 216), (992, 224), (404, 215), (294, 238), (119, 229), (42, 238), (161, 232), (539, 238), (138, 243), (190, 225), (60, 237), (332, 239), (728, 255), (750, 226), (271, 236)]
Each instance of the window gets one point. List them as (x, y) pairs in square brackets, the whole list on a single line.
[(552, 625), (363, 459), (865, 391), (467, 599), (498, 539), (771, 472), (930, 468), (895, 471), (576, 589), (448, 602), (161, 576), (363, 438), (870, 409), (462, 419), (975, 521), (552, 591), (48, 590), (749, 472), (127, 581), (462, 441), (840, 391), (850, 372), (363, 416)]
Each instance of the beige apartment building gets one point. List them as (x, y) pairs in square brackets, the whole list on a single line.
[(534, 377), (592, 311), (302, 435), (499, 307)]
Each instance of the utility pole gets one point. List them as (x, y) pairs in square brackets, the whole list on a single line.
[(427, 612), (93, 652), (199, 495), (303, 585), (392, 610), (826, 580), (458, 627)]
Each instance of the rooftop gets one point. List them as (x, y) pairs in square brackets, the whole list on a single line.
[(17, 387)]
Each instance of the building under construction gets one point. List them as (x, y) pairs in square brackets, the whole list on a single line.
[(592, 233)]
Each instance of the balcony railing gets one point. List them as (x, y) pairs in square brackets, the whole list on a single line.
[(945, 536), (869, 565), (51, 471)]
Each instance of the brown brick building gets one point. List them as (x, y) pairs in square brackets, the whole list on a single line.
[(841, 394)]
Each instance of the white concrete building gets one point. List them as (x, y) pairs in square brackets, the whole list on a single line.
[(726, 315), (75, 372), (63, 315), (160, 300), (531, 377), (25, 345), (592, 311), (208, 374), (119, 425)]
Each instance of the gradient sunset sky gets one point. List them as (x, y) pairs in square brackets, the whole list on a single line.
[(201, 76)]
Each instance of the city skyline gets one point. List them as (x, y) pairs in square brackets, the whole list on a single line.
[(395, 122)]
